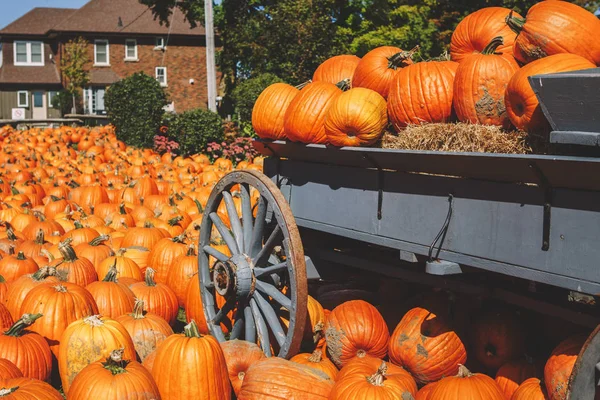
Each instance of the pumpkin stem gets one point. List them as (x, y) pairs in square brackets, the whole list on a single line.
[(93, 320), (54, 198), (303, 84), (60, 288), (21, 256), (138, 309), (493, 45), (191, 250), (7, 391), (78, 224), (463, 372), (179, 238), (26, 320), (10, 232), (41, 273), (2, 280), (11, 250), (379, 376), (14, 191), (515, 23), (39, 237), (149, 278), (191, 330), (66, 250), (199, 206), (97, 241), (122, 209), (318, 331), (316, 356), (148, 224), (175, 220), (344, 84), (115, 363), (111, 275), (402, 59)]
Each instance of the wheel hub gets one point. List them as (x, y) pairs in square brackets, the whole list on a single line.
[(235, 276)]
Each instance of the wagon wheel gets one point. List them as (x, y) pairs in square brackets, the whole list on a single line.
[(263, 282), (585, 378)]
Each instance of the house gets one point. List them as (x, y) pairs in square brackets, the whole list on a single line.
[(123, 38)]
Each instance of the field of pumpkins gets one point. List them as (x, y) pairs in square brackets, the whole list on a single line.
[(483, 80), (99, 289)]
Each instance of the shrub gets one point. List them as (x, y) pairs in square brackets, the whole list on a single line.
[(194, 129), (236, 150), (135, 106), (63, 101), (246, 92)]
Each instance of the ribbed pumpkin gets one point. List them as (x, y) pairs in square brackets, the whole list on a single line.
[(317, 361), (513, 373), (276, 378), (356, 118), (361, 380), (378, 68), (158, 298), (182, 270), (559, 366), (530, 389), (148, 362), (113, 379), (239, 356), (3, 290), (426, 346), (112, 297), (522, 105), (336, 69), (555, 27), (80, 271), (147, 330), (95, 250), (19, 288), (496, 338), (6, 319), (304, 119), (137, 254), (477, 30), (425, 391), (88, 339), (59, 305), (466, 386), (194, 309), (480, 84), (126, 267), (191, 357), (14, 266), (142, 236), (27, 389), (347, 339), (80, 234), (269, 110), (8, 370), (26, 349), (315, 323), (162, 255), (422, 93)]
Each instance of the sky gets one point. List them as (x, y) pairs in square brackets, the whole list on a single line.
[(10, 10)]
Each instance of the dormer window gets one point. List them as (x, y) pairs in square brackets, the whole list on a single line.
[(29, 53)]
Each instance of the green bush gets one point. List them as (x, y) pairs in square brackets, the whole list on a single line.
[(63, 101), (135, 106), (194, 129), (246, 92)]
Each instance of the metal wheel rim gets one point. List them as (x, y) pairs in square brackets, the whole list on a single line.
[(256, 305), (584, 379)]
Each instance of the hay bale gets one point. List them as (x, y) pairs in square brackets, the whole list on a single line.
[(459, 137)]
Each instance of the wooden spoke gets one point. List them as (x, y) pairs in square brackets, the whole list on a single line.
[(228, 306), (275, 294), (261, 328), (259, 226), (216, 253), (263, 255), (238, 325), (261, 272), (234, 220), (225, 234), (247, 217), (249, 325), (271, 317)]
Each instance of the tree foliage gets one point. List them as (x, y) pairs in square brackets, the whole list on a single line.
[(194, 129), (135, 105), (73, 66)]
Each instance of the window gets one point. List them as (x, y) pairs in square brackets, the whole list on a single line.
[(160, 43), (101, 52), (93, 100), (51, 95), (38, 99), (161, 75), (23, 98), (29, 53), (131, 49)]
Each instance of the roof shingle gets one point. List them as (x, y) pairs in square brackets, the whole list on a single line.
[(46, 74), (37, 21)]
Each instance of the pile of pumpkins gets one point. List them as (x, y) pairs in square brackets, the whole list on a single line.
[(493, 52)]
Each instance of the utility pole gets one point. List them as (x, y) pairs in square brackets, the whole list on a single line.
[(211, 69)]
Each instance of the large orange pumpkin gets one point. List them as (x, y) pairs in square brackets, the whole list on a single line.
[(304, 119), (113, 298), (480, 84), (85, 341), (269, 110), (530, 389), (22, 286), (378, 68), (336, 69), (426, 346), (466, 386), (6, 319), (158, 298), (513, 373), (276, 378), (9, 370), (28, 389), (191, 357), (182, 270), (317, 361), (555, 27), (363, 381), (114, 378), (12, 267), (26, 349), (356, 118), (422, 93), (347, 339), (477, 30), (425, 391), (80, 271), (522, 105), (162, 255), (239, 356), (194, 310), (559, 366)]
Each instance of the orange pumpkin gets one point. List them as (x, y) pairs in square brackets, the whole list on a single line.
[(336, 69), (269, 110), (181, 271), (239, 356), (559, 366), (28, 389), (12, 267), (8, 370), (466, 386), (317, 361), (530, 389), (112, 297), (425, 391), (158, 298), (162, 255), (19, 288), (347, 339), (78, 270), (6, 319), (513, 373)]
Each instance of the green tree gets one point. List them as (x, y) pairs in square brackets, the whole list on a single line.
[(194, 129), (73, 66), (135, 105)]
